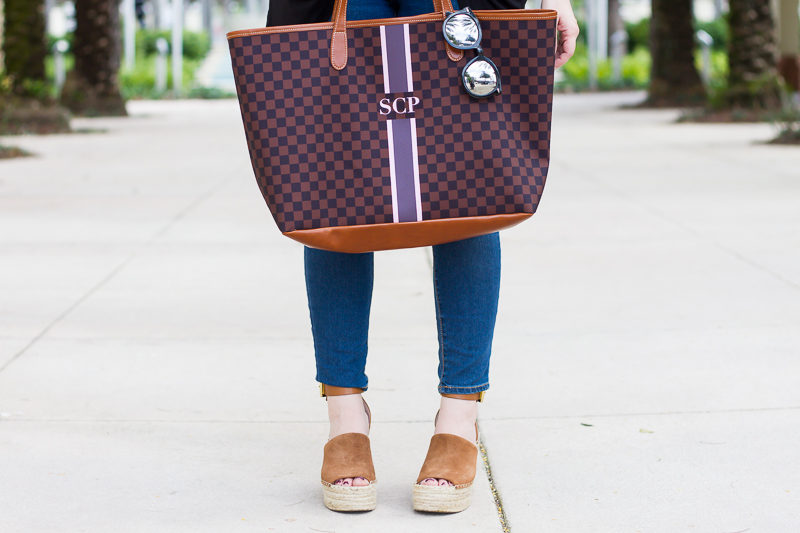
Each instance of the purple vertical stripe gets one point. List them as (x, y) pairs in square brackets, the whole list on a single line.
[(404, 169), (396, 57), (402, 132)]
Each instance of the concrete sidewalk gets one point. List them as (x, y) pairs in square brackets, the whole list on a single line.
[(156, 363)]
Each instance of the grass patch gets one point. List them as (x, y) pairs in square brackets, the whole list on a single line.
[(208, 93), (10, 152), (787, 137), (722, 116), (788, 123)]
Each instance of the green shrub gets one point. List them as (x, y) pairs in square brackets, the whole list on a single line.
[(718, 30), (196, 45), (582, 33), (636, 67), (52, 40), (5, 84), (50, 65), (639, 33), (635, 72), (141, 81)]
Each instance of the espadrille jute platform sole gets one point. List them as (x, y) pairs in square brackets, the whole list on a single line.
[(436, 499), (343, 498)]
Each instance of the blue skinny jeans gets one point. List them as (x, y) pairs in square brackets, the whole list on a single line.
[(466, 283)]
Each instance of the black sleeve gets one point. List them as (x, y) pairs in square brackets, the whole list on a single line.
[(285, 12), (492, 4)]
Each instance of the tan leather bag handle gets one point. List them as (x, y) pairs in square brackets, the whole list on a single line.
[(339, 37)]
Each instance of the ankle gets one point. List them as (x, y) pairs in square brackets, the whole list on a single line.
[(347, 414), (458, 408), (458, 417)]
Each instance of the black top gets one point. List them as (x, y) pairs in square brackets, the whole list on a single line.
[(285, 12)]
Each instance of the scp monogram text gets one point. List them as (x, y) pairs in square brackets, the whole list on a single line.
[(401, 106)]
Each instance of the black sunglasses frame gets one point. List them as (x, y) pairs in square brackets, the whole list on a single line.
[(477, 47)]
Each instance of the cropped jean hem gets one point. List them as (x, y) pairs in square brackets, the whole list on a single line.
[(334, 383), (450, 389)]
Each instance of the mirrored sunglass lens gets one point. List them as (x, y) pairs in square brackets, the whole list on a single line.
[(480, 78), (461, 30)]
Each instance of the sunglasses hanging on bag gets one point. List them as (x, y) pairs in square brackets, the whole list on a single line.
[(480, 76)]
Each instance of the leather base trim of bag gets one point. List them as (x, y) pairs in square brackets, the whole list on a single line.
[(393, 235)]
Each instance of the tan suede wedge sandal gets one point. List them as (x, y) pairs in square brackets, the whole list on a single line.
[(348, 455), (449, 457)]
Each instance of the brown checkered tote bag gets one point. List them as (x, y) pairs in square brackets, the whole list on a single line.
[(363, 137)]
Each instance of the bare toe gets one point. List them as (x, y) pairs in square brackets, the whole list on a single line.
[(444, 483), (429, 481), (360, 482)]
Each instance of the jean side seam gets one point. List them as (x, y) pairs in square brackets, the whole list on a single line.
[(440, 320)]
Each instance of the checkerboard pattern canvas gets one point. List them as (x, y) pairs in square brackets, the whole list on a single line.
[(319, 143)]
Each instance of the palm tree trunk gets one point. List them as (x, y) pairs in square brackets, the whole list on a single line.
[(24, 45), (674, 80), (92, 87), (752, 53), (26, 105), (2, 26)]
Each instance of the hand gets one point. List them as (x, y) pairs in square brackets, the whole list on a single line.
[(567, 29)]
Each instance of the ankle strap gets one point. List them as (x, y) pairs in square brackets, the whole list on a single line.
[(477, 396), (332, 390)]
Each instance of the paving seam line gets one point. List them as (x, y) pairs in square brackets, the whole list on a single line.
[(69, 310), (498, 501), (116, 270), (658, 213)]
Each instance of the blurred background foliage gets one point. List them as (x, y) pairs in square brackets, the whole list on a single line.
[(745, 72), (140, 82)]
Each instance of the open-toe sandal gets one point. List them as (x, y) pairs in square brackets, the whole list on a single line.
[(348, 456), (449, 457)]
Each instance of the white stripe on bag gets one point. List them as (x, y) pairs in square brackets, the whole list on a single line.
[(408, 62), (416, 167), (385, 61)]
